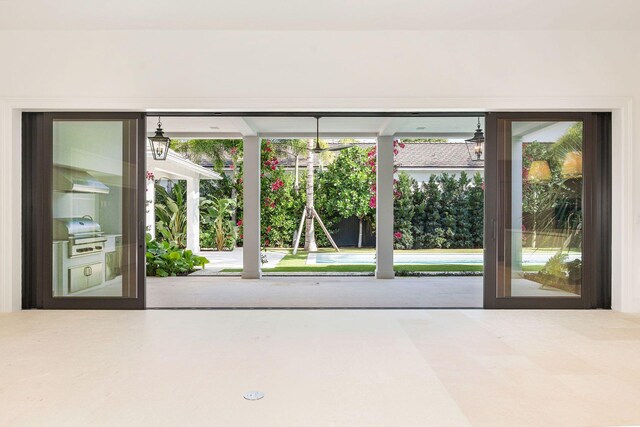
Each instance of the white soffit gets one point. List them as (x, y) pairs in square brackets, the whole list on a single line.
[(304, 127)]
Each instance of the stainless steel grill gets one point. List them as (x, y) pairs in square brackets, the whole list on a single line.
[(84, 235)]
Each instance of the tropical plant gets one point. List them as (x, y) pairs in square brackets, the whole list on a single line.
[(171, 212), (217, 217), (220, 152), (166, 259), (346, 186), (556, 203)]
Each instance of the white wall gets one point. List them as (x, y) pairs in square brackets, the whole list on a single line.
[(479, 70)]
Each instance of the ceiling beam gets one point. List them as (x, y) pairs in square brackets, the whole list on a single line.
[(243, 126), (311, 135), (391, 125)]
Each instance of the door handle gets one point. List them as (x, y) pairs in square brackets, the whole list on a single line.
[(493, 230)]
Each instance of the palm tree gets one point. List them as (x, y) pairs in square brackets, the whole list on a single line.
[(216, 151)]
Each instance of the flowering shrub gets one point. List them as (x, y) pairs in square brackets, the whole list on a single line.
[(446, 212), (281, 206)]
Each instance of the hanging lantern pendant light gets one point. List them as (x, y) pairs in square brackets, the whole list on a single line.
[(478, 141), (159, 143)]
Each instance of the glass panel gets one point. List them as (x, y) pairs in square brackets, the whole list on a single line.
[(89, 196), (439, 205), (543, 248)]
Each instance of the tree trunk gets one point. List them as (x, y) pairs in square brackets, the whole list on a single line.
[(309, 232), (359, 232), (296, 184)]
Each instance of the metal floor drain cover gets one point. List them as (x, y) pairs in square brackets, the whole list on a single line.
[(253, 395)]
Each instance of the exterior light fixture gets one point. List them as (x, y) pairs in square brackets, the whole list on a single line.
[(478, 143), (159, 143), (572, 165), (539, 171)]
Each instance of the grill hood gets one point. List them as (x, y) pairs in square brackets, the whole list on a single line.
[(76, 181), (63, 228)]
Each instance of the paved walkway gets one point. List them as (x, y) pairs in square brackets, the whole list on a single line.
[(231, 259)]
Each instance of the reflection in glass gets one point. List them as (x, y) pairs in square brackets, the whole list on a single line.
[(87, 202), (544, 245)]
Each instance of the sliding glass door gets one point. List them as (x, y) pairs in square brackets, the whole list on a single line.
[(86, 222), (547, 225)]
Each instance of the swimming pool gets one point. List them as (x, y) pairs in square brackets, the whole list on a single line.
[(424, 258)]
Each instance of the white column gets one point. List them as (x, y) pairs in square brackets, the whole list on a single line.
[(150, 207), (384, 208), (193, 214), (251, 208)]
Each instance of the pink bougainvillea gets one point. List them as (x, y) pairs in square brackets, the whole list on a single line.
[(277, 184), (150, 176), (271, 163), (397, 235), (371, 162)]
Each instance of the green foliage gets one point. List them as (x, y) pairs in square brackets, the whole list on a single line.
[(554, 206), (346, 184), (217, 188), (404, 211), (217, 151), (555, 267), (281, 207), (448, 212), (171, 213), (216, 216), (166, 259), (344, 188)]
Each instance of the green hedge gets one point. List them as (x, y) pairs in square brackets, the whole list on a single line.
[(445, 212)]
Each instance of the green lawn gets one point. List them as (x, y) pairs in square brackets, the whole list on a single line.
[(297, 263)]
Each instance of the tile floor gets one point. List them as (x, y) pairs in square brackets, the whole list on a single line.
[(319, 367), (326, 291)]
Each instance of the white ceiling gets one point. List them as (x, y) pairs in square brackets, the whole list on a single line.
[(273, 127), (320, 15)]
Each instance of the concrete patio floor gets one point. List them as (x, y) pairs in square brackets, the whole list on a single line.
[(314, 292), (323, 292), (220, 260)]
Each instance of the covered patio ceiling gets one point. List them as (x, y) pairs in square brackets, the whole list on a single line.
[(305, 127)]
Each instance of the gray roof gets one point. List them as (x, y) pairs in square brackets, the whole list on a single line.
[(425, 155), (437, 155), (419, 155)]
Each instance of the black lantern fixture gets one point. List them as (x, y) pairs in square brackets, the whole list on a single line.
[(477, 141), (159, 143)]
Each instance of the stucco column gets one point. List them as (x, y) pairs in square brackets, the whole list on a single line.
[(384, 207), (193, 214), (251, 208), (150, 207)]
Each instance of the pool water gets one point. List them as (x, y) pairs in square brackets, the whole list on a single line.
[(424, 258)]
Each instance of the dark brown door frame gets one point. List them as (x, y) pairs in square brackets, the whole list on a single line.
[(596, 285), (37, 256)]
